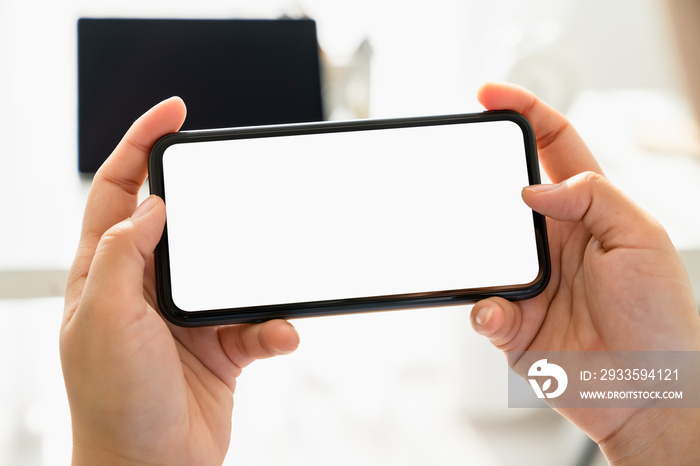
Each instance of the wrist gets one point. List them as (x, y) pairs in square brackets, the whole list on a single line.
[(655, 436), (84, 455)]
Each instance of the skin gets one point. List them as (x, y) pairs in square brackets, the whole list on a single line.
[(142, 391), (618, 284)]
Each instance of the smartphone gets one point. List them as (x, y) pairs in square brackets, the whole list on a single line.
[(340, 217)]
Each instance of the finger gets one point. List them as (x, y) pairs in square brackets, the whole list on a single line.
[(561, 150), (114, 192), (114, 288), (115, 188), (244, 344), (498, 320), (226, 350), (611, 217)]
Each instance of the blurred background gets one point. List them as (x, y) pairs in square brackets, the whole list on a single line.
[(412, 387)]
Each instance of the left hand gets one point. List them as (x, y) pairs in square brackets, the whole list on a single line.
[(142, 390)]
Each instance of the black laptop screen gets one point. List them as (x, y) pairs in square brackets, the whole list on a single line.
[(229, 73)]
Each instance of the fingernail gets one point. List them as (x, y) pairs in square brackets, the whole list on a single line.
[(483, 316), (541, 188), (145, 207)]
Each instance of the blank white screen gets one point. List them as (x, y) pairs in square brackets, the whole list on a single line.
[(353, 214)]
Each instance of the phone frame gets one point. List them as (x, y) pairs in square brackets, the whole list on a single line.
[(350, 305)]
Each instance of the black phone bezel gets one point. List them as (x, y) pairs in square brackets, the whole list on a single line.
[(351, 305)]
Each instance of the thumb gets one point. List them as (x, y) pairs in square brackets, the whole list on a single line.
[(500, 321), (612, 218), (114, 287)]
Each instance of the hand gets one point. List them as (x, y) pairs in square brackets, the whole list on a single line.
[(618, 284), (142, 391)]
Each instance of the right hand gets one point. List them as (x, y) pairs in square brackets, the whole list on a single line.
[(618, 283)]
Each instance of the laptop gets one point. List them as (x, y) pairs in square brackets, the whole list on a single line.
[(230, 72)]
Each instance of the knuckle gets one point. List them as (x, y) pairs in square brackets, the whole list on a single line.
[(589, 177), (116, 231), (548, 138), (117, 235)]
